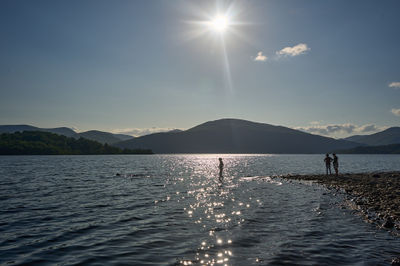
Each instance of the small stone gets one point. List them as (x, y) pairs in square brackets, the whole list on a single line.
[(388, 224), (396, 261)]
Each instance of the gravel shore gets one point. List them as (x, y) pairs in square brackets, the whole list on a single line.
[(376, 195)]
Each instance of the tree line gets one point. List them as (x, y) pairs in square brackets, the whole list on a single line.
[(46, 143)]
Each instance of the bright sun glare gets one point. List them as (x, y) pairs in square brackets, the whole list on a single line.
[(219, 23)]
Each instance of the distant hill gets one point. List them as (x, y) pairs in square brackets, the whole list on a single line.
[(100, 136), (104, 137), (46, 143), (386, 137), (384, 149), (19, 128), (175, 131), (236, 136), (123, 137)]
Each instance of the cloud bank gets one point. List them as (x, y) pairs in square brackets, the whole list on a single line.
[(395, 85), (346, 128), (396, 111), (299, 49), (260, 57)]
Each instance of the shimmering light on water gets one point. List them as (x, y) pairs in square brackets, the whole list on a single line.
[(172, 209)]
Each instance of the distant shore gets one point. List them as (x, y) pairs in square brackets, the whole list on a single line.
[(376, 195)]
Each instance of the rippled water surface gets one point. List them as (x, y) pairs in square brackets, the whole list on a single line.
[(172, 209)]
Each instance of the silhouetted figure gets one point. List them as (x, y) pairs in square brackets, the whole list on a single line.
[(327, 161), (336, 164), (221, 169)]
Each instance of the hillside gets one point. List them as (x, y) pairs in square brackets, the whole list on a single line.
[(386, 137), (236, 136), (384, 149), (100, 136), (103, 137), (46, 143), (19, 128)]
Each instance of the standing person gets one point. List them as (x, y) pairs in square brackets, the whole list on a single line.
[(327, 161), (221, 169), (336, 164)]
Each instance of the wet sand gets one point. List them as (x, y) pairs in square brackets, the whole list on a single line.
[(375, 195)]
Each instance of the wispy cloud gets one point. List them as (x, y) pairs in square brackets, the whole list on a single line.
[(137, 132), (395, 85), (299, 49), (260, 57), (396, 111), (369, 128), (336, 129)]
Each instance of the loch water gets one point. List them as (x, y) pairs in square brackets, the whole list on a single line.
[(172, 210)]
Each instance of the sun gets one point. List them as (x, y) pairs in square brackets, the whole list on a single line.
[(219, 24)]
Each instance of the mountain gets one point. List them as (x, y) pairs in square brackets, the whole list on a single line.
[(19, 128), (104, 137), (123, 137), (175, 131), (100, 136), (236, 136), (386, 137), (383, 149)]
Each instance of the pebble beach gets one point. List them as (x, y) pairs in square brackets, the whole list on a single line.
[(376, 195)]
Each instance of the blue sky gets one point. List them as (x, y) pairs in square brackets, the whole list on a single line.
[(327, 67)]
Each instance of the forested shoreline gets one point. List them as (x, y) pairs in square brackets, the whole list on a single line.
[(45, 143)]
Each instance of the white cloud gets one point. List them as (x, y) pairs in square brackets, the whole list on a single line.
[(395, 85), (368, 128), (396, 111), (341, 129), (299, 49), (260, 57), (137, 132)]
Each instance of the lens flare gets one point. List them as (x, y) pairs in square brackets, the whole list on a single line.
[(220, 23)]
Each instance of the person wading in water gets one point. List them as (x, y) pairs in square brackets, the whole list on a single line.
[(221, 169)]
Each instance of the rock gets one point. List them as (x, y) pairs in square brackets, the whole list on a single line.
[(376, 175), (388, 224), (396, 261)]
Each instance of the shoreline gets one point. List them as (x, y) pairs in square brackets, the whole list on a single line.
[(376, 195)]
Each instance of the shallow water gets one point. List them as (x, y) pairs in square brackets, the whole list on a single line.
[(171, 209)]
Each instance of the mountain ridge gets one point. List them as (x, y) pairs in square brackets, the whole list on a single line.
[(230, 135), (386, 137), (96, 135)]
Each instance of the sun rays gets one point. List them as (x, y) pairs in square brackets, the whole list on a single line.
[(218, 27), (220, 23)]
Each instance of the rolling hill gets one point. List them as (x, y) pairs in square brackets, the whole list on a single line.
[(100, 136), (19, 128), (386, 137), (236, 136), (104, 137), (382, 149)]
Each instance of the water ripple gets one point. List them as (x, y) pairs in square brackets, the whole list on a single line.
[(173, 210)]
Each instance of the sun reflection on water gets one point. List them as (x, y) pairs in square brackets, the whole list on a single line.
[(218, 207)]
